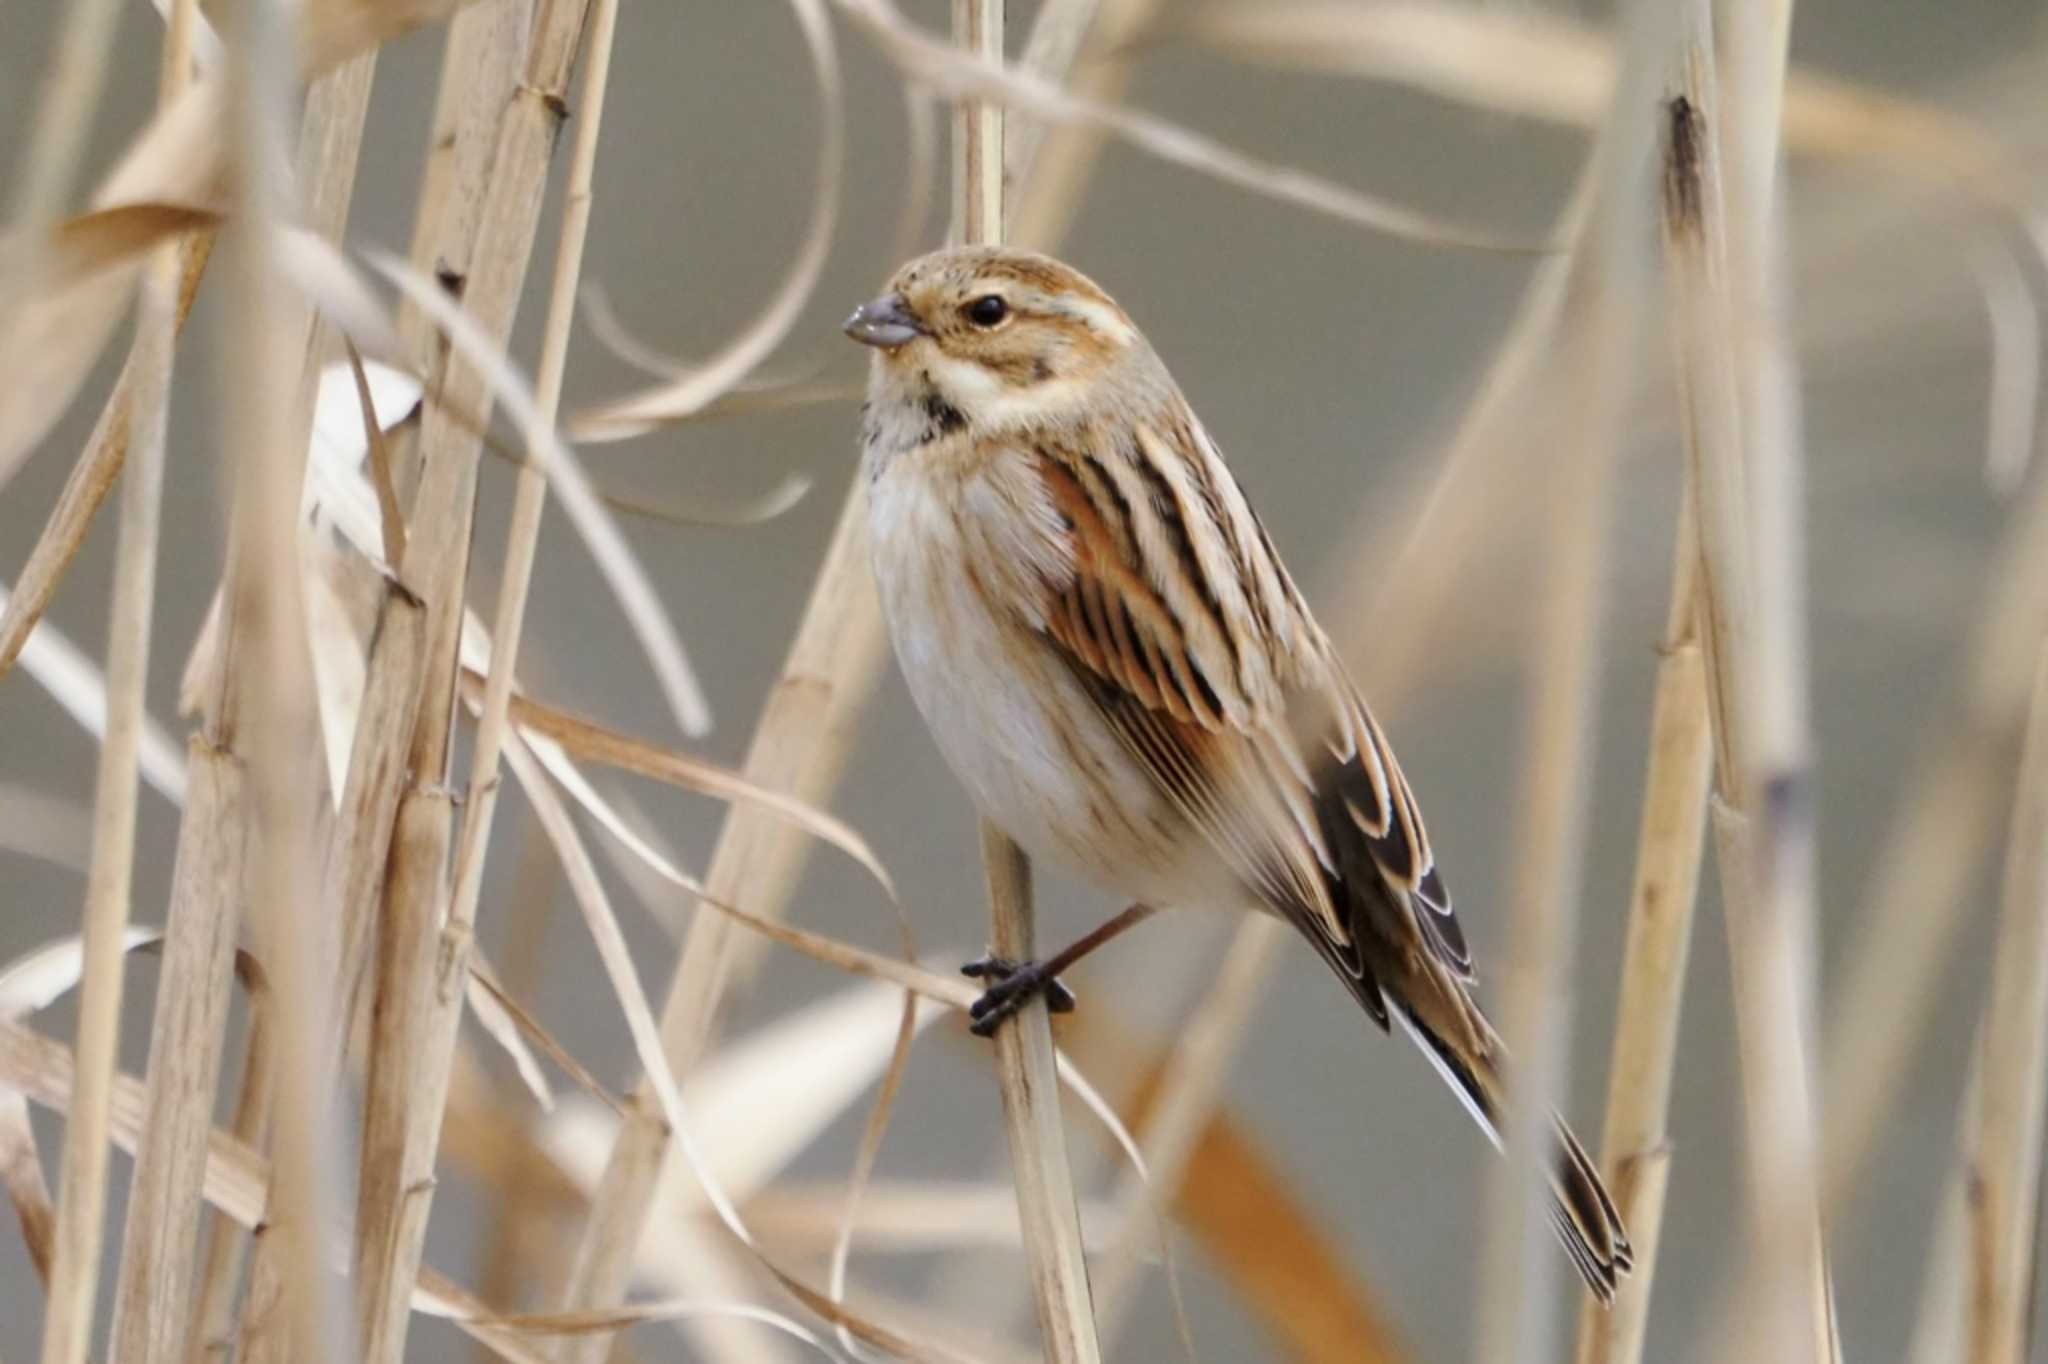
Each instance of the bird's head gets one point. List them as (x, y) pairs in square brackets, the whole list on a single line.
[(999, 337)]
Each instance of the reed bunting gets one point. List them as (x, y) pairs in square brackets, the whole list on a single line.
[(1112, 658)]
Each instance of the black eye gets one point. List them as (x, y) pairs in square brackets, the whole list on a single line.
[(988, 311)]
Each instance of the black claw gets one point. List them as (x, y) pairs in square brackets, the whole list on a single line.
[(1011, 985)]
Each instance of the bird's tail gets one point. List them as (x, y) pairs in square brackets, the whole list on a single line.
[(1581, 1211)]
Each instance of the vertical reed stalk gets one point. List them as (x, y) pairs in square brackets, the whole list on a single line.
[(1025, 1068), (1635, 1146), (153, 1302), (1741, 396), (425, 988), (264, 584), (385, 1283), (81, 1207), (2004, 1163)]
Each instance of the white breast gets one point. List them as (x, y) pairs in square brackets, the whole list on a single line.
[(1011, 721)]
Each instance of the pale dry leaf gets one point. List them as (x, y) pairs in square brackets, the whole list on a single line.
[(36, 824), (30, 982), (640, 1021), (678, 1256), (689, 394), (332, 31), (753, 511), (594, 742), (488, 1005), (38, 978), (487, 982), (318, 270), (585, 1323), (612, 951), (338, 493), (53, 336), (1543, 64), (872, 1134), (476, 652), (339, 669), (959, 75), (766, 1097), (909, 1217), (2011, 430), (65, 314), (109, 238), (77, 684), (613, 553), (21, 1173), (390, 515), (206, 48)]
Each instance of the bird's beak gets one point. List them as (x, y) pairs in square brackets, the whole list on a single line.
[(883, 322)]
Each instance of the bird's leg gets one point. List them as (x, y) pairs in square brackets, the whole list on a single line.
[(1013, 983)]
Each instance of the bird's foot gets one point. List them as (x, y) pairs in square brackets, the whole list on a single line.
[(1011, 986)]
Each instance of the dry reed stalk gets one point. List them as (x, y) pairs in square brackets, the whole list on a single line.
[(1743, 455), (396, 1138), (480, 64), (2004, 1158), (267, 334), (236, 1177), (519, 1237), (386, 1262), (157, 1291), (1635, 1146), (421, 992), (1046, 1202), (213, 1315), (81, 1208), (154, 1298)]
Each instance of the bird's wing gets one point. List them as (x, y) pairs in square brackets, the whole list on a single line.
[(1175, 612)]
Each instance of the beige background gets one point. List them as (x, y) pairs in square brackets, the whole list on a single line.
[(1331, 364)]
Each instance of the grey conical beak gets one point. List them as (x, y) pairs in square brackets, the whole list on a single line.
[(882, 322)]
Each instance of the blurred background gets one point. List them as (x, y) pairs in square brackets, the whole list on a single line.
[(1332, 365)]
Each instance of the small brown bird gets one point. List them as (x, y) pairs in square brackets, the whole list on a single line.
[(1113, 660)]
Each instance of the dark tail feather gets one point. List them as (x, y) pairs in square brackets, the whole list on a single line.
[(1581, 1212), (1585, 1217)]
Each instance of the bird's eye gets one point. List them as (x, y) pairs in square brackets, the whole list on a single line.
[(988, 311)]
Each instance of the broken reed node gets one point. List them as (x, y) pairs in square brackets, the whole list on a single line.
[(324, 775)]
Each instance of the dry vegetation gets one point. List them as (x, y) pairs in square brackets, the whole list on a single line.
[(331, 863)]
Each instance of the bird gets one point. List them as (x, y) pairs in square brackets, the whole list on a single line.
[(1110, 655)]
